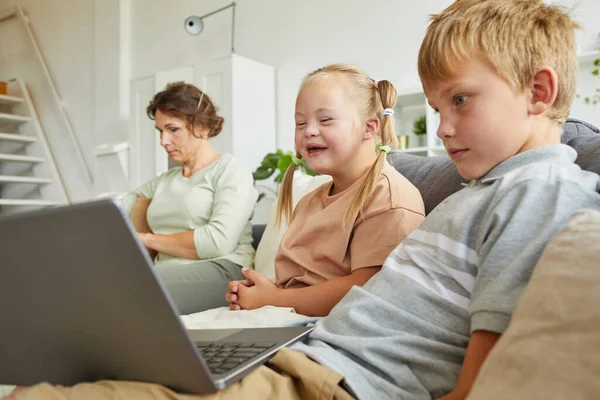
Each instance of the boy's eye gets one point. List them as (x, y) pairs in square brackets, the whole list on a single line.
[(460, 100)]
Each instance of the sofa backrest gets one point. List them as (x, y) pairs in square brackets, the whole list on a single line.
[(437, 177)]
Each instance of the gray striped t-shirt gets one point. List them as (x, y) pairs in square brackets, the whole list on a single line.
[(404, 334)]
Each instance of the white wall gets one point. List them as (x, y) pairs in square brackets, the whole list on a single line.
[(65, 30), (382, 36), (18, 59), (86, 47), (89, 45)]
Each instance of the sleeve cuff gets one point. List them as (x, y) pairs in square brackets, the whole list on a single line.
[(200, 248), (489, 321)]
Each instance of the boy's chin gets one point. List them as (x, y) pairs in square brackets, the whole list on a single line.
[(471, 173)]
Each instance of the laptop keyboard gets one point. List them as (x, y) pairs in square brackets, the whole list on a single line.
[(222, 357)]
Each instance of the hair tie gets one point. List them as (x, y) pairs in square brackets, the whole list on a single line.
[(296, 161), (387, 111), (382, 148), (375, 83)]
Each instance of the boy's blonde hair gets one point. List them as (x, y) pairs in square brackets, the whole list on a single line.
[(514, 36), (371, 98)]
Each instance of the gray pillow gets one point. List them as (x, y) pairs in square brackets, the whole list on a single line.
[(585, 139), (437, 177)]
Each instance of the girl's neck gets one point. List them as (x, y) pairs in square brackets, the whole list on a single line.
[(352, 172), (204, 156)]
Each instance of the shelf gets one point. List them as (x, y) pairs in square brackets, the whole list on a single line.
[(412, 107), (107, 149), (410, 99), (439, 148), (21, 158), (4, 99), (414, 150), (11, 137), (588, 56)]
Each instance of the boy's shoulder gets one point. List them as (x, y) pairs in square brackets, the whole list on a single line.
[(552, 167), (532, 182)]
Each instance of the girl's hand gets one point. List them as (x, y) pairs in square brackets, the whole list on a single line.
[(232, 295), (253, 292)]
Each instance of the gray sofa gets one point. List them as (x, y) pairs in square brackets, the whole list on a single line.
[(437, 177)]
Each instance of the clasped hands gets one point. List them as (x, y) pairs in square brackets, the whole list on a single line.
[(253, 292)]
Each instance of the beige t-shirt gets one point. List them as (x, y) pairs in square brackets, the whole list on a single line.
[(315, 247)]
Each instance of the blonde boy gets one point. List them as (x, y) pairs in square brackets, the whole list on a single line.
[(501, 74)]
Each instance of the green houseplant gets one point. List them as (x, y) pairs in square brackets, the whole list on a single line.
[(595, 98), (420, 129), (277, 162)]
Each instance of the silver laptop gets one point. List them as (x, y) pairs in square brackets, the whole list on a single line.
[(80, 301)]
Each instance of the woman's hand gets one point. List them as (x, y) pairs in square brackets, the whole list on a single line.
[(254, 292), (145, 239)]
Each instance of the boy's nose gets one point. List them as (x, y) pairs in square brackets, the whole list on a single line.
[(446, 128)]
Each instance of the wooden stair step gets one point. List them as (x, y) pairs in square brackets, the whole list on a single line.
[(24, 179), (5, 99), (12, 137), (12, 118), (21, 158)]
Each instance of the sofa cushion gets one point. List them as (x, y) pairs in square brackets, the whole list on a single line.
[(437, 177), (550, 349)]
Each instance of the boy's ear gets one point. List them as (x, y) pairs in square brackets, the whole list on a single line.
[(544, 89), (371, 128)]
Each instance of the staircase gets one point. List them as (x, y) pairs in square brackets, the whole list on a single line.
[(29, 177)]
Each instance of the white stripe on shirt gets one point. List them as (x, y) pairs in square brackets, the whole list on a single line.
[(453, 247), (426, 261), (427, 281)]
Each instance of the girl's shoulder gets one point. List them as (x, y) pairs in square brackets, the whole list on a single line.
[(393, 191)]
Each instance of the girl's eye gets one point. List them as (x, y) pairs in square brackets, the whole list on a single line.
[(460, 100), (300, 124), (325, 120)]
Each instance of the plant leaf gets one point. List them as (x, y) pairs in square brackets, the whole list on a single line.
[(596, 72), (271, 160), (284, 162), (597, 62), (262, 173), (310, 172), (261, 196)]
